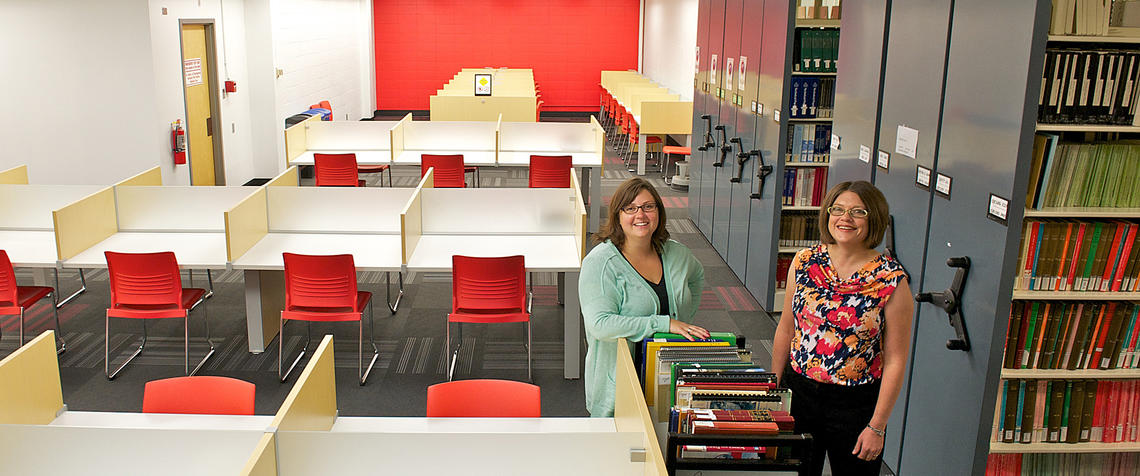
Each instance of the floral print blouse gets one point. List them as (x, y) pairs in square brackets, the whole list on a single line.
[(839, 322)]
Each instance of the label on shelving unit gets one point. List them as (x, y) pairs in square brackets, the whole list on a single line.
[(835, 142), (697, 64), (942, 186), (728, 72), (753, 106), (759, 109), (712, 69), (884, 160), (922, 178), (998, 209), (776, 115), (740, 73), (864, 154), (906, 141)]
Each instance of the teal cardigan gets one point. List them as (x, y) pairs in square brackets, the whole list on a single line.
[(617, 302)]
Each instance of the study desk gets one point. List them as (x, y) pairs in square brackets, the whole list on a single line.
[(655, 110), (371, 141), (512, 97), (27, 231), (361, 221)]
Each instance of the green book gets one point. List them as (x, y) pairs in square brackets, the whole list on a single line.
[(1095, 180), (721, 336), (1086, 275), (1068, 401), (1029, 334)]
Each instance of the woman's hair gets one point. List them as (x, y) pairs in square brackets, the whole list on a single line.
[(623, 196), (878, 213)]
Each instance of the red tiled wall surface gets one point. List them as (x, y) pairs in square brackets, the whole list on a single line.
[(421, 44)]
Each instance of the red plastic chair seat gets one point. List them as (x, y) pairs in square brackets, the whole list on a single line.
[(190, 296), (204, 395), (329, 314), (653, 140), (370, 169), (25, 297), (484, 398), (485, 316), (677, 150)]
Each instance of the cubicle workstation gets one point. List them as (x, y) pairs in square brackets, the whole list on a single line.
[(476, 140), (512, 95), (363, 222), (583, 142), (546, 226), (656, 111), (38, 435), (369, 140)]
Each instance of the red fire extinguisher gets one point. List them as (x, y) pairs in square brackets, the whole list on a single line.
[(178, 142)]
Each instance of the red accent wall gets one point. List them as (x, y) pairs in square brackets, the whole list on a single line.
[(421, 44)]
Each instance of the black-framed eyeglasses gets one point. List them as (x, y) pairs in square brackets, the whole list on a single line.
[(838, 211), (632, 209)]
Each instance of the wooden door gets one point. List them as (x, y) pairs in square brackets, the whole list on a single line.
[(196, 77)]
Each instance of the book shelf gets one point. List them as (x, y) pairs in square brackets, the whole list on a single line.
[(801, 73), (1064, 253)]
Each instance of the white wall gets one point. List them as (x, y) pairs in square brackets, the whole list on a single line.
[(670, 44), (78, 92)]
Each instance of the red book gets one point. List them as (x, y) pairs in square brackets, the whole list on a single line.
[(1060, 276), (1121, 263), (1096, 433), (1022, 332), (1030, 254), (736, 427), (1110, 412), (1097, 321), (1102, 333), (1068, 281), (1113, 256)]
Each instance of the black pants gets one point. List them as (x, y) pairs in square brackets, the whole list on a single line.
[(835, 415)]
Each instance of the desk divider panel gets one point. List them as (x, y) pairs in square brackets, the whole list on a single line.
[(631, 413), (599, 146), (296, 139), (666, 117), (336, 209), (396, 133), (498, 137), (349, 135), (30, 389), (246, 224), (488, 211), (29, 207), (17, 175), (629, 95), (411, 218), (549, 138), (639, 98), (459, 136), (152, 176), (311, 404), (263, 461), (84, 223), (579, 217), (289, 178), (182, 208)]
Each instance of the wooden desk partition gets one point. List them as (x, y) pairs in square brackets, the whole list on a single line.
[(263, 461), (599, 140), (84, 223), (296, 142), (246, 223), (311, 404), (397, 135), (632, 414), (289, 178), (579, 217), (17, 175), (411, 218), (152, 176), (666, 117), (30, 389)]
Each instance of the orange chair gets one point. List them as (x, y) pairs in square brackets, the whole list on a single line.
[(336, 170), (149, 286), (14, 299), (484, 398), (323, 289), (205, 395), (449, 170), (488, 291), (550, 171)]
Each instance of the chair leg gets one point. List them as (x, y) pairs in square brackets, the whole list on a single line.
[(281, 346), (389, 176), (388, 291), (362, 373), (107, 350), (20, 343), (529, 375), (58, 329), (209, 353), (447, 351), (82, 288)]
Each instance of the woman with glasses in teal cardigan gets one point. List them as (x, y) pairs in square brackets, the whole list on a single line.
[(634, 283)]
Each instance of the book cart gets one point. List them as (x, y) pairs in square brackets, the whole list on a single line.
[(800, 459)]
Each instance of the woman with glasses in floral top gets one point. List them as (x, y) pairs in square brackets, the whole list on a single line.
[(634, 283), (844, 333)]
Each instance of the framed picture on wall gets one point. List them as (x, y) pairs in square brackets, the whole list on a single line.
[(482, 85)]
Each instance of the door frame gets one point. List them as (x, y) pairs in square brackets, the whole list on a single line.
[(215, 100)]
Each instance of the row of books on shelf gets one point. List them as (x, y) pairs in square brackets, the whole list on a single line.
[(809, 143), (1072, 335), (799, 230), (1080, 17), (817, 9), (1083, 175), (804, 186), (1067, 255), (1081, 86), (818, 51), (1069, 411), (812, 97), (1095, 464)]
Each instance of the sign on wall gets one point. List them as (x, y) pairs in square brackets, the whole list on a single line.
[(482, 85)]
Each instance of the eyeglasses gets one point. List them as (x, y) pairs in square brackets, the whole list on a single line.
[(837, 211), (647, 208)]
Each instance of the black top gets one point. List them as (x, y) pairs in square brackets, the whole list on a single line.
[(662, 296)]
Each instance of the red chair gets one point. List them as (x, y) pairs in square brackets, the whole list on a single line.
[(652, 144), (484, 398), (449, 170), (488, 291), (550, 171), (336, 170), (14, 299), (149, 286), (323, 289), (199, 395)]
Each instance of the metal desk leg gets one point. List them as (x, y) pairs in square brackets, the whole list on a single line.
[(572, 334), (264, 299), (641, 154), (592, 192)]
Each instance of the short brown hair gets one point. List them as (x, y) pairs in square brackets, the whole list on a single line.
[(623, 196), (878, 212)]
